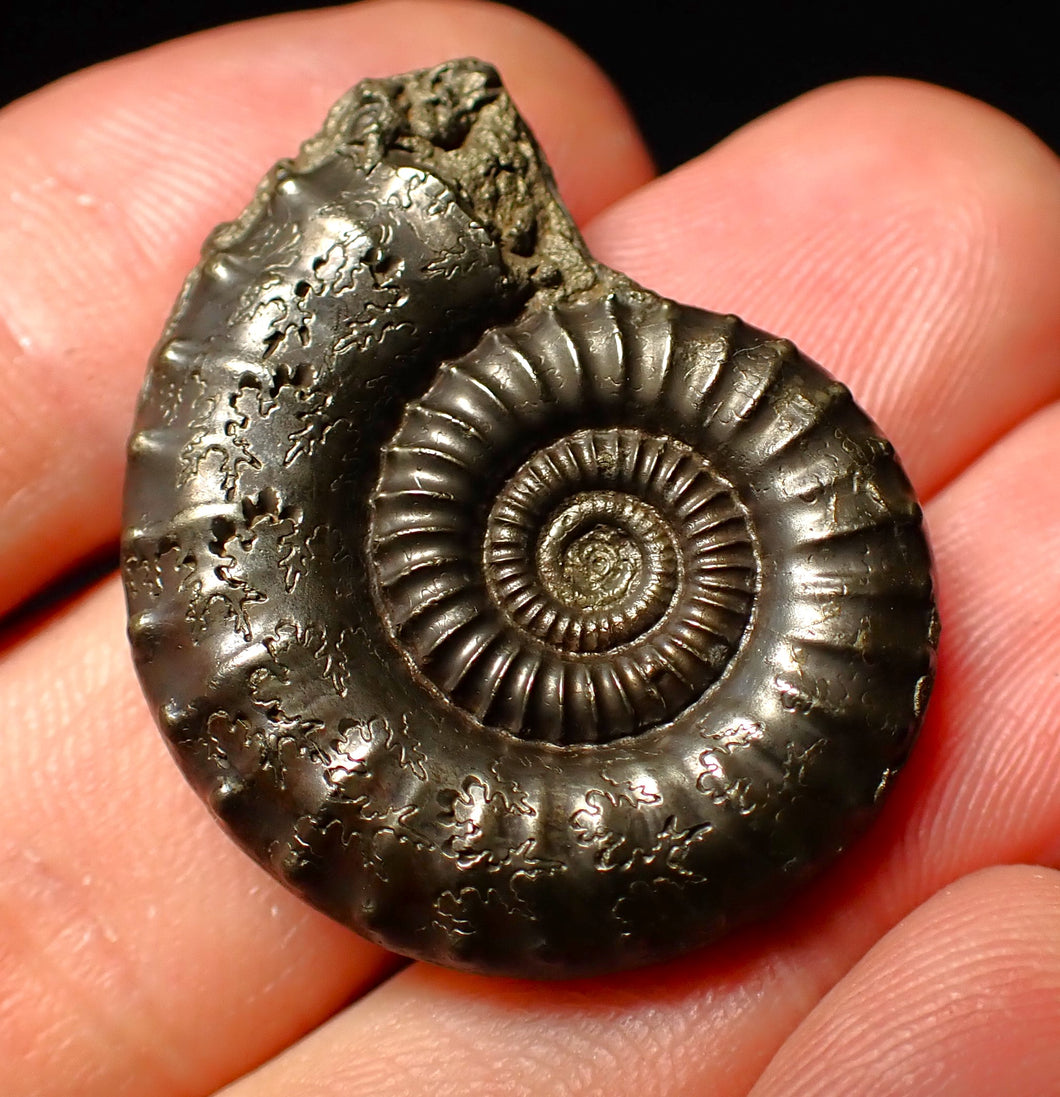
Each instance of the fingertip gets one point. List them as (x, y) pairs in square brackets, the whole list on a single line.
[(960, 998), (901, 234), (247, 93)]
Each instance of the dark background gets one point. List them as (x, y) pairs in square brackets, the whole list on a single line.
[(692, 72)]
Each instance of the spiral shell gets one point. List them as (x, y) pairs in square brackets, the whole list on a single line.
[(611, 580), (518, 618)]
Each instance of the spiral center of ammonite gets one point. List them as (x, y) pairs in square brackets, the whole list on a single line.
[(595, 592), (594, 571), (597, 571)]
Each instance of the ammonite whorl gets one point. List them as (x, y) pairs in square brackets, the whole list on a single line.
[(518, 618)]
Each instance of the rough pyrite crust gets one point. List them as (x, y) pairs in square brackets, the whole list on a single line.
[(518, 618)]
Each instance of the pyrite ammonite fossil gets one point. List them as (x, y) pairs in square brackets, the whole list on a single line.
[(518, 618)]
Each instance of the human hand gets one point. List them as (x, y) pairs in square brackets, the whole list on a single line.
[(902, 236)]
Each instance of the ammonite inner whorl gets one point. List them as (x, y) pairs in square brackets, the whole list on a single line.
[(611, 579), (518, 618)]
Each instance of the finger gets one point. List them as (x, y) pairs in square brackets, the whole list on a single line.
[(110, 180), (982, 787), (960, 1000), (140, 951), (902, 235)]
